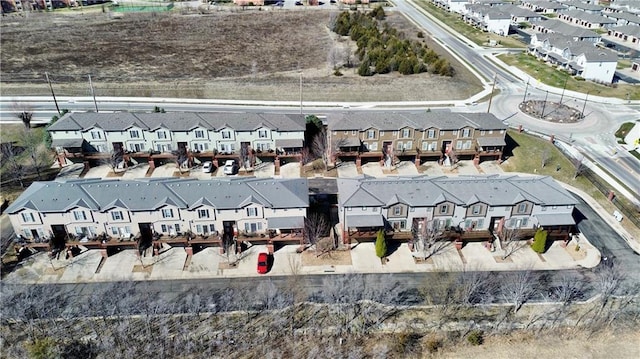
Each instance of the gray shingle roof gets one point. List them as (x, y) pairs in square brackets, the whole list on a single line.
[(583, 6), (592, 18), (390, 121), (423, 191), (631, 30), (179, 121), (150, 194), (561, 27)]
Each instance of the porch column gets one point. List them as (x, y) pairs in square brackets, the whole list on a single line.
[(152, 164), (418, 161), (276, 162), (358, 162)]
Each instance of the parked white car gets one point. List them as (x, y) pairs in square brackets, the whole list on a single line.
[(207, 167), (230, 167)]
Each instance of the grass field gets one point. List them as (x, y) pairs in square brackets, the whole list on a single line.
[(527, 158), (551, 76)]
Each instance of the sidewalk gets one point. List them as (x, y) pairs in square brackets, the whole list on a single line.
[(173, 263)]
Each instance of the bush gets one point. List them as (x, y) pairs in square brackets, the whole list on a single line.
[(539, 241), (433, 344), (365, 69), (337, 72), (476, 337), (420, 34)]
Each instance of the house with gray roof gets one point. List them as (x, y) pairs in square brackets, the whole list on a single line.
[(159, 135), (561, 27), (583, 6), (81, 211), (456, 6), (488, 18), (623, 18), (628, 34), (467, 208), (586, 19), (543, 6), (388, 136)]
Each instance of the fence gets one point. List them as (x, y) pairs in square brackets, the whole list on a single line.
[(629, 212)]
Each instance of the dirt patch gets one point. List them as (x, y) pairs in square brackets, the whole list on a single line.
[(499, 259), (54, 271), (576, 251), (226, 55), (115, 174), (310, 258), (139, 268), (181, 174)]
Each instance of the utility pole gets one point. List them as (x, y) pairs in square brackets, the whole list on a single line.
[(493, 87), (585, 104), (525, 92), (564, 88), (301, 92), (93, 93), (46, 74), (544, 104)]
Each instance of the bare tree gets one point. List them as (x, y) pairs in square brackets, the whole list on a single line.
[(608, 281), (429, 239), (40, 156), (334, 57), (511, 241), (545, 157), (517, 288), (316, 227), (579, 167), (347, 56), (114, 159), (567, 292), (25, 113), (11, 156), (323, 148)]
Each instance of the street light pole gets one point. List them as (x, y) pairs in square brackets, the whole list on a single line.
[(301, 92), (563, 88), (93, 93), (493, 87), (525, 92), (585, 103), (544, 104), (46, 74)]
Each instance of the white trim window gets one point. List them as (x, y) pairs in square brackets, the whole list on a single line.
[(444, 208), (203, 213), (371, 134), (162, 135), (262, 133), (408, 145), (28, 217), (96, 135), (522, 208), (79, 215), (252, 227), (117, 216), (226, 134), (199, 133), (134, 133), (466, 132), (406, 133), (252, 212), (397, 211), (167, 213), (373, 146), (431, 133)]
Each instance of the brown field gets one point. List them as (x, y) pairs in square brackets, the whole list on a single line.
[(227, 55)]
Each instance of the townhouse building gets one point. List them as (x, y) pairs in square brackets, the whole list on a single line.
[(623, 18), (628, 34), (467, 208), (586, 19), (560, 27), (457, 6), (583, 6), (157, 135), (543, 6), (85, 210), (488, 18), (580, 58), (389, 137)]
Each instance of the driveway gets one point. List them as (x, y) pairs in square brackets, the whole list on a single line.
[(347, 170), (137, 171), (165, 170), (372, 169), (265, 170), (290, 170), (70, 172), (98, 172), (491, 167), (407, 168)]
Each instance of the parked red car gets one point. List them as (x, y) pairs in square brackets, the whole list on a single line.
[(263, 264)]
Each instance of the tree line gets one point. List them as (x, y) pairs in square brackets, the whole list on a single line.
[(382, 49)]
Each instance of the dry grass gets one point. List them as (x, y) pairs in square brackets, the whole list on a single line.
[(334, 258), (226, 55), (139, 268)]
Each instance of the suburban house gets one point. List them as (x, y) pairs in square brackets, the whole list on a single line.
[(488, 18), (462, 208), (520, 15), (390, 137), (583, 6), (629, 34), (580, 58), (158, 136), (85, 211), (586, 19), (623, 18), (457, 6), (543, 7), (560, 27)]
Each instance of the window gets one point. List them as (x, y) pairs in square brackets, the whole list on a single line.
[(399, 146), (408, 145), (434, 146), (444, 209), (203, 213), (381, 133), (522, 208), (95, 135), (482, 133), (491, 132), (252, 212), (79, 215), (395, 133), (177, 226), (199, 133), (480, 223), (226, 134), (454, 132), (431, 134), (406, 133), (28, 217), (354, 132), (167, 213), (458, 145), (134, 134), (425, 146), (397, 211), (441, 133), (476, 209), (544, 208), (466, 132), (373, 146), (201, 146), (398, 225), (116, 215), (371, 134), (262, 133), (467, 145), (162, 135), (163, 228), (252, 227)]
